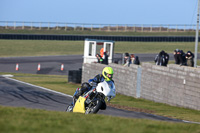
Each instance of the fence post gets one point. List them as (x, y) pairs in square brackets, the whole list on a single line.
[(160, 28), (22, 25), (82, 27), (57, 26), (40, 26), (99, 27), (65, 27), (14, 25), (176, 28), (184, 28), (91, 27), (125, 28), (168, 28), (48, 25), (142, 27), (151, 28), (31, 25), (74, 27), (133, 28)]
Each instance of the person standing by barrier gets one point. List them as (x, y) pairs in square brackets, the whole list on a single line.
[(190, 59), (162, 58), (105, 60), (102, 52), (127, 60), (183, 58), (177, 61), (99, 58), (136, 61), (132, 58)]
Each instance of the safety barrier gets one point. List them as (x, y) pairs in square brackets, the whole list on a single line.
[(175, 85), (113, 38)]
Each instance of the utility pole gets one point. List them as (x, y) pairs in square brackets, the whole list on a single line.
[(197, 37)]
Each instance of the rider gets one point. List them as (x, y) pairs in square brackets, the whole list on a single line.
[(107, 75)]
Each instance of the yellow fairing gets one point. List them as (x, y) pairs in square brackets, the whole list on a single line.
[(80, 105)]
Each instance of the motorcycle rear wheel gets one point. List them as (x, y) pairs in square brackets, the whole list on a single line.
[(94, 108)]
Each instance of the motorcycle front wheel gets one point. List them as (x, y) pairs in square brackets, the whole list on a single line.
[(69, 108), (94, 107)]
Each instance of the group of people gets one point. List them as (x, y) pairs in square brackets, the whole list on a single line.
[(184, 59), (181, 58), (162, 59), (131, 59)]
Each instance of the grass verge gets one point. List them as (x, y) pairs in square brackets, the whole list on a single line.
[(22, 120), (44, 48)]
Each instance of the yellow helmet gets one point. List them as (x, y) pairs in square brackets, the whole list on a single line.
[(107, 73)]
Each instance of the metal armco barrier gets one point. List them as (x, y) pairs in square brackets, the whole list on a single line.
[(113, 38)]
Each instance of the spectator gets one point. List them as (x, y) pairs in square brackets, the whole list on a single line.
[(190, 59), (136, 61), (183, 58), (127, 60), (179, 57), (162, 58), (99, 58), (105, 60), (102, 52), (132, 58), (177, 61)]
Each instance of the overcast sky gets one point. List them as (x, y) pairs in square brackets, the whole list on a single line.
[(101, 11)]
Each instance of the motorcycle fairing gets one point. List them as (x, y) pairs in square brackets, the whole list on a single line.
[(80, 105)]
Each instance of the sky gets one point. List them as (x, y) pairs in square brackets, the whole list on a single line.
[(101, 11)]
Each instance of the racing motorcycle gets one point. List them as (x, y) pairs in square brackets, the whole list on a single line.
[(94, 100)]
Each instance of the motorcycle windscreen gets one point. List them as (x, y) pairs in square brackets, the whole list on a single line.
[(80, 105)]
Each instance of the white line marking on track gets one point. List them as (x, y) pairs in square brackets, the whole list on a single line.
[(38, 87)]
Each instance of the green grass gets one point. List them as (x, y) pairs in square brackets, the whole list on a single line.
[(39, 48), (22, 120), (44, 48), (60, 83)]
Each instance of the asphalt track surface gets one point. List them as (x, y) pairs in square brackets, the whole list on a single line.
[(20, 94), (52, 64)]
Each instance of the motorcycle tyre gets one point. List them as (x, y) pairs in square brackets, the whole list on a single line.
[(96, 108), (67, 110)]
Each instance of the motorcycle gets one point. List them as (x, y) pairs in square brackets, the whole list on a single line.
[(94, 100)]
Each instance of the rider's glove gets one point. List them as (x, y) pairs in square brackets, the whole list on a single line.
[(93, 84)]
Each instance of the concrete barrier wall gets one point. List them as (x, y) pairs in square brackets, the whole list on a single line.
[(174, 85), (125, 78)]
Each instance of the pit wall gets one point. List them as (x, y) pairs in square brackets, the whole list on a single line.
[(175, 85)]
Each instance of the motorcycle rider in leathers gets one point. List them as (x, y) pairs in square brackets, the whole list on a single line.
[(107, 75)]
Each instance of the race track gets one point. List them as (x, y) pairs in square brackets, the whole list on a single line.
[(20, 94), (52, 64)]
